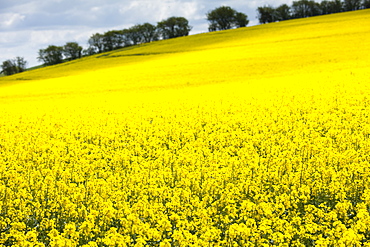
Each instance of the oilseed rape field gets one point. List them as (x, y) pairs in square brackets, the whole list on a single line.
[(257, 136)]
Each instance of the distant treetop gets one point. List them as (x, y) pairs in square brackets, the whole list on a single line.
[(308, 8), (225, 17)]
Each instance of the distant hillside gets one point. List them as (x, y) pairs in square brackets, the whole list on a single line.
[(271, 50)]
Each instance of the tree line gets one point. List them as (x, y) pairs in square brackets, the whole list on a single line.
[(308, 8), (142, 33), (220, 18), (116, 39)]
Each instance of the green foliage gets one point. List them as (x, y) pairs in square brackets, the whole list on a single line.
[(329, 7), (241, 19), (116, 39), (72, 50), (132, 35), (266, 14), (148, 32), (112, 40), (350, 5), (366, 4), (174, 27), (13, 66), (51, 55), (305, 8), (225, 17), (96, 42), (283, 12)]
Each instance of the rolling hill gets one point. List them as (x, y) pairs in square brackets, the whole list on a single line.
[(278, 50)]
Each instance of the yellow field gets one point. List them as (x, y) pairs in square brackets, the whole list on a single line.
[(257, 136)]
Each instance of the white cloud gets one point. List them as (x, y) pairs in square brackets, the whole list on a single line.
[(10, 20), (95, 9), (155, 11)]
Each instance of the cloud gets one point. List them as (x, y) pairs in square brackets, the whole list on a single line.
[(10, 20)]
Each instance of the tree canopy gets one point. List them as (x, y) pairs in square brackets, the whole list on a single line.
[(308, 8), (225, 17), (352, 4), (266, 14), (115, 39), (13, 66), (72, 50), (174, 27), (148, 32), (305, 8), (111, 40), (51, 55), (96, 42)]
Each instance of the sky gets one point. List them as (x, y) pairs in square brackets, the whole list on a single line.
[(26, 26)]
